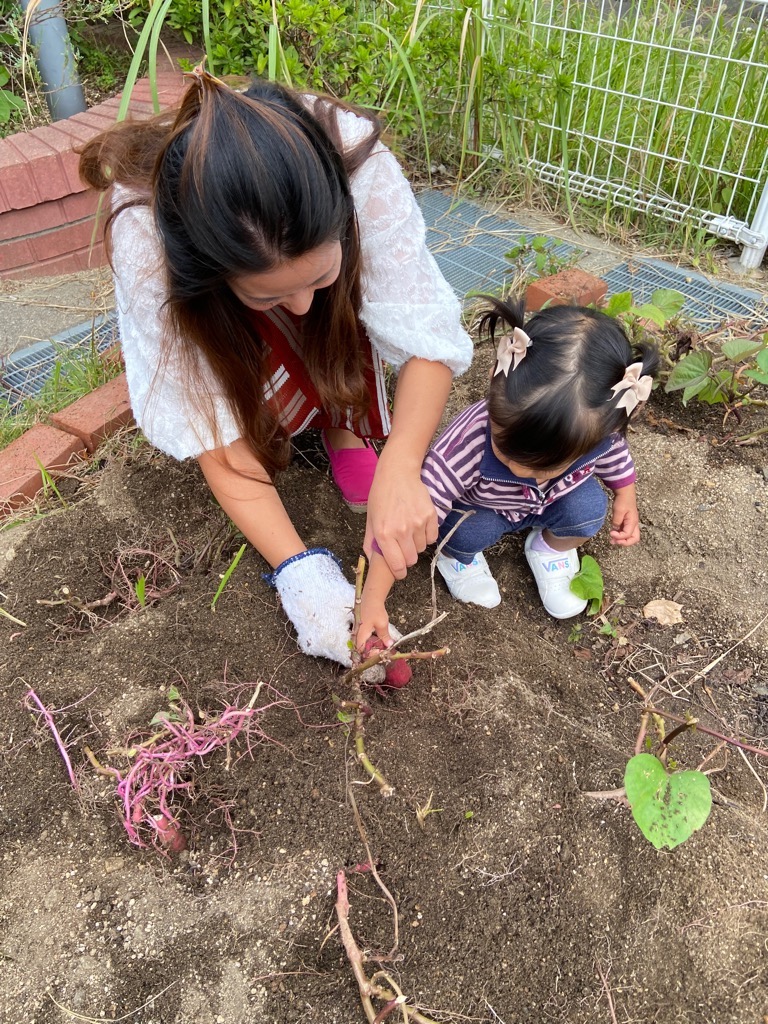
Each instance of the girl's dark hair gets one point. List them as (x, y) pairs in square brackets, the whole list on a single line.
[(558, 404), (239, 183)]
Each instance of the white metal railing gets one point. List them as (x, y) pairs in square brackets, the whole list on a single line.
[(664, 110)]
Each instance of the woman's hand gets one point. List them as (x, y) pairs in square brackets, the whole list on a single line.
[(401, 516), (626, 519), (318, 600)]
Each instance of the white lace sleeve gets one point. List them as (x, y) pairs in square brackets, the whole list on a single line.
[(408, 309), (162, 401)]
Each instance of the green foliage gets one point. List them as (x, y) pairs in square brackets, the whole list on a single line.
[(174, 712), (668, 808), (9, 101), (536, 257), (727, 376), (588, 584), (11, 79)]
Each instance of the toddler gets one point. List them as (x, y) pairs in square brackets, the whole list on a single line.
[(533, 455)]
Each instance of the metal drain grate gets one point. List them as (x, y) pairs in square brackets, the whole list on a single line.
[(470, 243), (708, 303), (25, 372)]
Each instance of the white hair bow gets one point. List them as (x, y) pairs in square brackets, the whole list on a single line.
[(512, 348), (636, 388)]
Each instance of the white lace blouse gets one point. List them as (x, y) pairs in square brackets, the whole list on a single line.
[(408, 308)]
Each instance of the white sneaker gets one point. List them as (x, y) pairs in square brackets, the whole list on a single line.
[(553, 573), (471, 583)]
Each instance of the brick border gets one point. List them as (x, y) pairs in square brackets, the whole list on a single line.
[(70, 436), (47, 215)]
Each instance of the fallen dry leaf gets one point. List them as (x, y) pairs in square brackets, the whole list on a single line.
[(667, 612)]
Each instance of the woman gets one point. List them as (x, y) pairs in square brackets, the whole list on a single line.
[(269, 257)]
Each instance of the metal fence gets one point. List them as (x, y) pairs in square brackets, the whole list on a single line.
[(657, 106)]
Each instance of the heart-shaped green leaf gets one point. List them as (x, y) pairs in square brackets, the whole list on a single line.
[(667, 808)]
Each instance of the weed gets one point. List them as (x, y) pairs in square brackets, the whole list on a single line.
[(225, 577), (422, 813), (538, 257), (77, 372)]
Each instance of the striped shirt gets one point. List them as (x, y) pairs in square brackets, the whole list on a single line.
[(461, 467)]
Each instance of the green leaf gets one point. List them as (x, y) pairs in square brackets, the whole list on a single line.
[(667, 808), (5, 107), (588, 583), (649, 312), (739, 349), (689, 371), (711, 393), (762, 360), (694, 389), (173, 694), (757, 375), (669, 301), (621, 302)]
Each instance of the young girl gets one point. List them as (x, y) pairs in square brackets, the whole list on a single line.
[(532, 456), (269, 256)]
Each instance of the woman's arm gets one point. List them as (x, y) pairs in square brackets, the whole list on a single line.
[(251, 501), (401, 516)]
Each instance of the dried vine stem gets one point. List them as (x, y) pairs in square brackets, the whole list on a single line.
[(356, 707), (369, 988)]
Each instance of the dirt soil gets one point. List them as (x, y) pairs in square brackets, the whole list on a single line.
[(519, 898)]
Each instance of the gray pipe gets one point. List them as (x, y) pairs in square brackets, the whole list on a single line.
[(55, 59)]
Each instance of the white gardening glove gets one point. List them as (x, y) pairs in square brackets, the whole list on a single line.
[(318, 600)]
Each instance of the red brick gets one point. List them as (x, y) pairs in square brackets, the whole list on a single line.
[(20, 475), (113, 357), (64, 239), (16, 253), (46, 168), (97, 415), (61, 143), (66, 264), (75, 132), (19, 186), (18, 224), (571, 287), (93, 120)]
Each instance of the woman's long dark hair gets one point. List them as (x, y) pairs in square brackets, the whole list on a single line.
[(238, 184), (558, 404)]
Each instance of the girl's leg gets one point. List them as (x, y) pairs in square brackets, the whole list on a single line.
[(551, 551), (461, 562)]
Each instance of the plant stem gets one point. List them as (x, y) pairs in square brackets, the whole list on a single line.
[(31, 695), (708, 732)]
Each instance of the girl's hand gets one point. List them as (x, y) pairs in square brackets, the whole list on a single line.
[(401, 516), (626, 518), (373, 613), (374, 620)]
